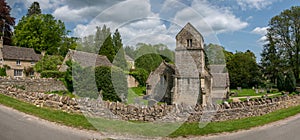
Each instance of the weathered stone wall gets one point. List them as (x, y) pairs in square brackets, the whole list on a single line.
[(167, 113), (35, 85)]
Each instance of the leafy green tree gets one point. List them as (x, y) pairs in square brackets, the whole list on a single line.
[(148, 62), (130, 51), (290, 82), (215, 54), (107, 49), (243, 70), (284, 33), (6, 22), (280, 81), (34, 9), (48, 62), (140, 75), (119, 59), (41, 32), (270, 60)]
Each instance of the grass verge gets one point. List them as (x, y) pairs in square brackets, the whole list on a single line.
[(69, 119), (79, 121)]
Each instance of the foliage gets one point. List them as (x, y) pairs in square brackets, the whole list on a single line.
[(83, 80), (243, 70), (111, 82), (283, 38), (215, 54), (148, 62), (41, 32), (28, 70), (119, 59), (290, 82), (34, 9), (48, 62), (7, 21), (3, 71), (67, 80), (140, 75), (280, 82), (52, 74)]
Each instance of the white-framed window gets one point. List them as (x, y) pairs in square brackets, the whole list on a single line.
[(1, 61), (18, 73), (32, 62), (189, 42), (18, 62), (31, 73)]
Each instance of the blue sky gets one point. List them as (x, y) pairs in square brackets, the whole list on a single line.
[(238, 25)]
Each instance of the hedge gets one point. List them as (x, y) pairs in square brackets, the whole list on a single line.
[(52, 74)]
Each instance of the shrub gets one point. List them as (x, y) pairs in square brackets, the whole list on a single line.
[(52, 74), (290, 82), (140, 75), (112, 83), (2, 71), (280, 82)]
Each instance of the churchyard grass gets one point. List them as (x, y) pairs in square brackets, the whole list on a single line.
[(147, 129), (250, 92)]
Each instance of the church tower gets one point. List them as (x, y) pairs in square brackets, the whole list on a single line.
[(192, 79)]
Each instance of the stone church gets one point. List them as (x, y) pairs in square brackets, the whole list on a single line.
[(189, 80)]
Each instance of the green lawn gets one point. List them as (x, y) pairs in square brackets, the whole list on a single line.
[(136, 92), (250, 92), (147, 129)]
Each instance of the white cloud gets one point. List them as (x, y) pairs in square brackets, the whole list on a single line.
[(260, 30), (209, 19), (256, 4)]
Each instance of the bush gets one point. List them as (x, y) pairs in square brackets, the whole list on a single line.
[(140, 75), (2, 71), (52, 74), (280, 82), (112, 83), (290, 82)]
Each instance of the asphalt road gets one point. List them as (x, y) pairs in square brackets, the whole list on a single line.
[(15, 125)]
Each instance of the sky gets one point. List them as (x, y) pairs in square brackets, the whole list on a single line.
[(237, 25)]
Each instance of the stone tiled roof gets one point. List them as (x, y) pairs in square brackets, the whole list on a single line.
[(128, 58), (217, 68), (19, 53), (89, 59)]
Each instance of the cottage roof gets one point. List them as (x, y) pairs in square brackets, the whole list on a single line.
[(89, 59), (19, 53)]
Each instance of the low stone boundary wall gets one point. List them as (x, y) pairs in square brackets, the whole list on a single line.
[(163, 112), (34, 85)]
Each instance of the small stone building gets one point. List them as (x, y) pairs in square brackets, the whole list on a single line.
[(18, 61), (188, 81), (85, 59)]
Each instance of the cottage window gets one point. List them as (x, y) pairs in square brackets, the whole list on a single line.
[(31, 73), (18, 73), (32, 63), (18, 62), (189, 42)]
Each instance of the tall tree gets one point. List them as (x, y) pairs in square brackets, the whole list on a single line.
[(284, 31), (6, 22), (243, 70), (34, 9), (107, 49), (41, 32), (119, 59)]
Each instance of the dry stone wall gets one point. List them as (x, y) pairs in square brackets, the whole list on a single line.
[(34, 85), (163, 112)]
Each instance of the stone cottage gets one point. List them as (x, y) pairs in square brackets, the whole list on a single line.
[(85, 59), (18, 61), (188, 81)]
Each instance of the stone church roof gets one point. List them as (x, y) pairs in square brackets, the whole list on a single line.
[(190, 29), (19, 53)]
